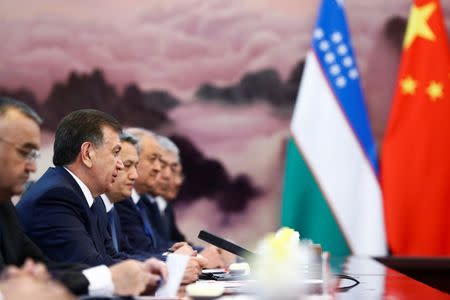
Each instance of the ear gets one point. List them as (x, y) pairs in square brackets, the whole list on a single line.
[(87, 154)]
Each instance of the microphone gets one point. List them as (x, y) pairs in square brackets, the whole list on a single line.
[(224, 244)]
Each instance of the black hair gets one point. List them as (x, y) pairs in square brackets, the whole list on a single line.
[(7, 103), (84, 125)]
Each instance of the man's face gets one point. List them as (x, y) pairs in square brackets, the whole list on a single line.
[(169, 162), (19, 136), (106, 162), (124, 183), (176, 182), (149, 165)]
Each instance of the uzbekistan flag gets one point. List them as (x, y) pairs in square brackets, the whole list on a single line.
[(331, 191)]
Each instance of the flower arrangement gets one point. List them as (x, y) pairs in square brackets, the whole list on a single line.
[(286, 267)]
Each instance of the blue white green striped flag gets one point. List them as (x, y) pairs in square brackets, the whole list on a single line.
[(331, 191)]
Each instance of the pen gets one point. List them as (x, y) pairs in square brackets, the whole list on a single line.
[(168, 251)]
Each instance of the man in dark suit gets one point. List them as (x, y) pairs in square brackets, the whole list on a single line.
[(160, 210), (142, 196), (120, 191), (19, 148), (134, 218), (58, 210), (168, 182), (155, 174), (121, 188)]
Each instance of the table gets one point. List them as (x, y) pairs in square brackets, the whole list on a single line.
[(380, 282), (376, 282)]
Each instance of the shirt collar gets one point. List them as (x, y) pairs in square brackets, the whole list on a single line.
[(86, 192), (108, 204), (162, 203), (149, 198), (135, 196)]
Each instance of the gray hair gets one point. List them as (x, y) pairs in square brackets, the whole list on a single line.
[(128, 138), (7, 103), (138, 134), (168, 145), (125, 137)]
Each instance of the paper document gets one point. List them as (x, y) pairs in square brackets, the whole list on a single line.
[(176, 264)]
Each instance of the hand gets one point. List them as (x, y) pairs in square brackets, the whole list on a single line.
[(202, 261), (185, 250), (227, 257), (178, 245), (28, 287), (129, 277), (158, 272), (212, 254), (192, 271), (29, 268)]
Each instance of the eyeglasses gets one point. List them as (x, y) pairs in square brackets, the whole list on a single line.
[(28, 154)]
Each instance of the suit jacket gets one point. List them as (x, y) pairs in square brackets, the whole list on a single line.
[(165, 223), (133, 228), (57, 217), (124, 246), (146, 204), (15, 247)]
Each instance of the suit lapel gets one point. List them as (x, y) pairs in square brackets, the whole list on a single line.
[(71, 182), (91, 217)]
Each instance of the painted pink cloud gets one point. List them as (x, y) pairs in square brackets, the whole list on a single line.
[(174, 45), (176, 48), (226, 130), (246, 139)]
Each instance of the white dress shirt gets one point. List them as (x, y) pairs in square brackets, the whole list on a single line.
[(108, 204), (162, 204), (135, 196)]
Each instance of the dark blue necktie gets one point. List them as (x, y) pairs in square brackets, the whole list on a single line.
[(2, 260), (165, 224), (145, 220), (96, 236), (113, 227)]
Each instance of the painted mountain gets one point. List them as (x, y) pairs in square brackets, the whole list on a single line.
[(219, 77)]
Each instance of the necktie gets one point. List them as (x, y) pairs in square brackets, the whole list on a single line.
[(96, 236), (2, 260), (147, 226), (165, 225), (113, 227)]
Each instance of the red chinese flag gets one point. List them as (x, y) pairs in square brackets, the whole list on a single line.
[(415, 161)]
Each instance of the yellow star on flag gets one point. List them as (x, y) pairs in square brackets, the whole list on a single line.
[(408, 85), (418, 24), (435, 90)]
